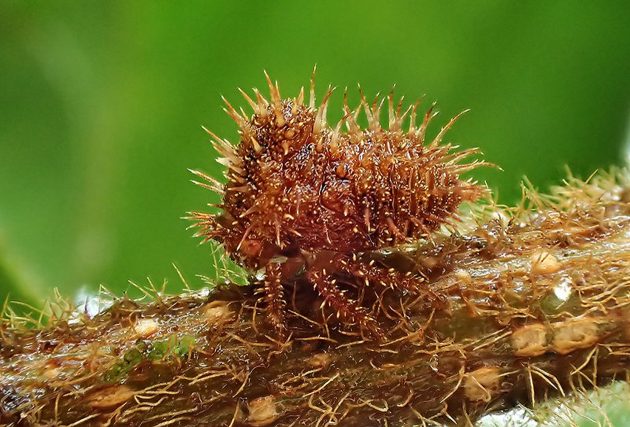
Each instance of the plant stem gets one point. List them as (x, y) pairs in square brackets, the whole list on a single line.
[(518, 306)]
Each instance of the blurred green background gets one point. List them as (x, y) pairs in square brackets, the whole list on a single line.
[(101, 105)]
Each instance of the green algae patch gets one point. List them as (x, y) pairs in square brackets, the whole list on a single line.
[(170, 349)]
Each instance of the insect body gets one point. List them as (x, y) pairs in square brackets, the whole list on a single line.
[(297, 187)]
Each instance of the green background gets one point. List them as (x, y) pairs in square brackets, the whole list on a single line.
[(101, 105)]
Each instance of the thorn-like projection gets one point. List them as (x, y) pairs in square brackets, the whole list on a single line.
[(422, 131), (300, 189), (320, 117), (255, 106), (255, 144), (276, 100), (373, 123), (412, 118), (210, 184), (262, 103), (311, 102), (395, 118), (445, 129), (350, 116), (241, 121)]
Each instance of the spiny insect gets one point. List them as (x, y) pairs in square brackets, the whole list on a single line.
[(298, 188)]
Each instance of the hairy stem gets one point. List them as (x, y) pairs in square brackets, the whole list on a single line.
[(521, 304)]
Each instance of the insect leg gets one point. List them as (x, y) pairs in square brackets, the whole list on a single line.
[(274, 298), (372, 273), (346, 308)]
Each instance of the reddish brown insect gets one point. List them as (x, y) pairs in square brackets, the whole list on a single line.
[(299, 188)]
